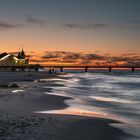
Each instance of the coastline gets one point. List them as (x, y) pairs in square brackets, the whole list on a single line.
[(19, 122)]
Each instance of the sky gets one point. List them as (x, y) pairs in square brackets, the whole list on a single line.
[(57, 29)]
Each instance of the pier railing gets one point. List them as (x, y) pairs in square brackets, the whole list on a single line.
[(86, 67), (62, 67)]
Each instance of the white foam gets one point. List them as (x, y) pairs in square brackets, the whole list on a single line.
[(17, 91)]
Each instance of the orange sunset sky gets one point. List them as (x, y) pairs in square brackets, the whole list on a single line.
[(68, 30)]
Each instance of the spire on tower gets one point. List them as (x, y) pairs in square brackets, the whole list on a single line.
[(21, 54)]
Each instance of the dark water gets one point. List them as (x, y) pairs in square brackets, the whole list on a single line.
[(115, 95)]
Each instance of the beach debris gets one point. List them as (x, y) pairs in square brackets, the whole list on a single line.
[(4, 85), (14, 86), (7, 85)]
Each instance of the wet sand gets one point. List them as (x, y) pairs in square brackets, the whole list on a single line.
[(19, 122)]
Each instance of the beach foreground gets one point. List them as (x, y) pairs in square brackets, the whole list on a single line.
[(18, 120)]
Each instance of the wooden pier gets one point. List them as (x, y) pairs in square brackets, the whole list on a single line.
[(35, 67), (87, 67), (28, 67)]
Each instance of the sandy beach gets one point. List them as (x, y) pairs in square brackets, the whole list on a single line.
[(22, 93)]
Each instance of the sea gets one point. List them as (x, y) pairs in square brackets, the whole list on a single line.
[(114, 95)]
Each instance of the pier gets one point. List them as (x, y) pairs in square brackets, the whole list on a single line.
[(87, 67), (35, 67), (28, 67)]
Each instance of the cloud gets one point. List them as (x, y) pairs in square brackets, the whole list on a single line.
[(102, 26), (131, 24), (61, 56), (128, 27), (4, 26), (78, 58), (85, 26), (97, 52), (119, 59), (70, 57), (136, 21), (72, 25), (51, 55), (129, 54), (98, 25), (36, 21), (95, 57)]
